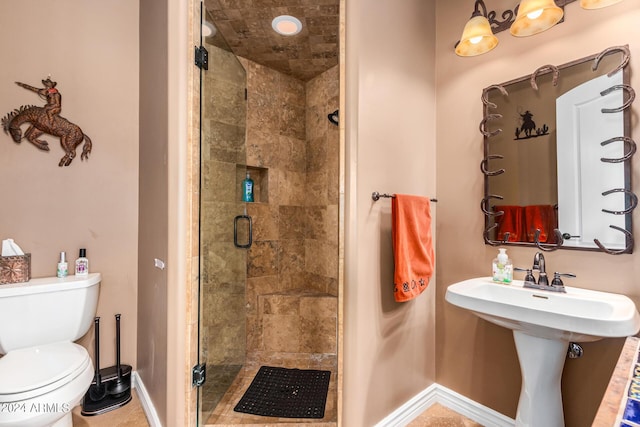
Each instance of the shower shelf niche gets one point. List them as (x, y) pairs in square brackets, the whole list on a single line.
[(260, 177)]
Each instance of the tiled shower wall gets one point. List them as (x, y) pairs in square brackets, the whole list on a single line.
[(292, 154), (293, 263), (223, 327)]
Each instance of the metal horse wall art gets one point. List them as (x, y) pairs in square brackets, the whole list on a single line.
[(47, 119)]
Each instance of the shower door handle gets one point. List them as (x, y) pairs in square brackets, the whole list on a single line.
[(235, 232)]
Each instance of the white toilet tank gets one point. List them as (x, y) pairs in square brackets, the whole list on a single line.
[(47, 310)]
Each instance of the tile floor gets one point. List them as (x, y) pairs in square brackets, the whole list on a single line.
[(129, 415), (132, 415), (441, 416)]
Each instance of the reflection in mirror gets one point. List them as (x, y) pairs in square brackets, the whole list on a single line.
[(557, 149)]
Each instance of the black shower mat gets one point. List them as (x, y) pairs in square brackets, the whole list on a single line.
[(286, 393)]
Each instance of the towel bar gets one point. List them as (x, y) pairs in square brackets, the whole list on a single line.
[(376, 196)]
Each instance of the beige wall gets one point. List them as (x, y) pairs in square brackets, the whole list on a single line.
[(91, 204), (153, 205), (475, 358), (389, 348)]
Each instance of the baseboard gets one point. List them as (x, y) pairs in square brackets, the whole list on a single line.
[(436, 393), (145, 401)]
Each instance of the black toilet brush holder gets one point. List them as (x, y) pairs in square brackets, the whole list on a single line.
[(111, 387)]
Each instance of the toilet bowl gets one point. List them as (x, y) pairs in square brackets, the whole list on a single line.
[(43, 374), (40, 385)]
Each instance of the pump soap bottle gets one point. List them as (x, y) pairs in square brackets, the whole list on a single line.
[(247, 189), (502, 268), (82, 263)]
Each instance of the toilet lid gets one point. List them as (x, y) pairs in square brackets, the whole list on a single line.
[(33, 368)]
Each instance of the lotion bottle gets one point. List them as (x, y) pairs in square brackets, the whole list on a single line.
[(63, 266), (82, 263), (247, 189), (502, 268)]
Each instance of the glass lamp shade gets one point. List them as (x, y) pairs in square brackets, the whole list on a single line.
[(597, 4), (535, 16), (477, 37)]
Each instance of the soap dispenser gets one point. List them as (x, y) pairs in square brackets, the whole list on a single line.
[(502, 267)]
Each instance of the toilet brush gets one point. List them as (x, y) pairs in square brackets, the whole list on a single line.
[(97, 391), (118, 386)]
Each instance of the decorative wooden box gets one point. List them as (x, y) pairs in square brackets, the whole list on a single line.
[(15, 269)]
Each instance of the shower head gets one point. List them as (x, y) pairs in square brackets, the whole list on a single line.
[(333, 117)]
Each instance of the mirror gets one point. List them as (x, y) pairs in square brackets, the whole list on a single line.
[(557, 153)]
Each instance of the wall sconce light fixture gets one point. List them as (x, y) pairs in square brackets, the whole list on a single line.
[(528, 18), (477, 36), (535, 16)]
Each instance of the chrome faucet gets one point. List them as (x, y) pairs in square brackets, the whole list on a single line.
[(543, 280), (539, 264)]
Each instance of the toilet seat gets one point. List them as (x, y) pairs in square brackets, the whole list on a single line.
[(30, 372)]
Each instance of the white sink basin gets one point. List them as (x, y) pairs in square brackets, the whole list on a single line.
[(543, 324), (579, 315)]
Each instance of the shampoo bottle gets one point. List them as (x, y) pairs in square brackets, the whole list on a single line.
[(502, 268), (82, 263), (247, 189), (63, 266)]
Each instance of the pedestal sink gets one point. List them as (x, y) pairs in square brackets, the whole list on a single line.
[(543, 324)]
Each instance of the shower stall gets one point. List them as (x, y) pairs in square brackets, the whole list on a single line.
[(268, 268)]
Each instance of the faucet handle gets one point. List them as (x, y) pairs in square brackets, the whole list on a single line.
[(557, 281), (529, 276)]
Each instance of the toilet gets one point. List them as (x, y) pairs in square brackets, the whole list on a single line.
[(43, 373)]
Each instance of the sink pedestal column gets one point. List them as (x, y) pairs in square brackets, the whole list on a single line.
[(541, 364)]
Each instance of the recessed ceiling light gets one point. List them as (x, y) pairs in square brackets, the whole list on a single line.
[(286, 25), (208, 29)]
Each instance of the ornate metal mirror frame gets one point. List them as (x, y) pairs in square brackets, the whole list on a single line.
[(553, 237)]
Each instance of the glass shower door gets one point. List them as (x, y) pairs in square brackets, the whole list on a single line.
[(222, 320)]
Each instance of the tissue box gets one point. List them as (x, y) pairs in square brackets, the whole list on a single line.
[(15, 269)]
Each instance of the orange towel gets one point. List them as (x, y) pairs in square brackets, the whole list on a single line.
[(412, 245), (543, 218), (510, 222)]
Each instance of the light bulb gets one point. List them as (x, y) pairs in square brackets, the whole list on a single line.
[(475, 40), (535, 14)]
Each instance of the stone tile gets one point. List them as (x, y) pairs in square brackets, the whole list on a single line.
[(265, 219), (219, 181), (321, 258), (292, 222), (314, 222), (292, 121), (262, 259), (291, 256), (261, 148), (217, 221), (317, 188), (291, 188), (225, 142), (317, 154), (291, 153), (281, 304), (318, 307), (263, 113), (318, 335), (292, 91), (438, 415), (281, 332), (332, 224), (223, 266), (129, 415), (259, 286), (228, 105)]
